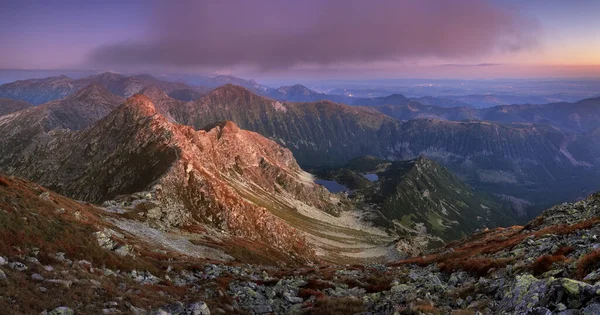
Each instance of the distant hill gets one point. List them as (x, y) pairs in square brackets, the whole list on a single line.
[(8, 106), (39, 91)]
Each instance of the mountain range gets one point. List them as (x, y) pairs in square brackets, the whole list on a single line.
[(39, 91), (533, 155), (123, 197)]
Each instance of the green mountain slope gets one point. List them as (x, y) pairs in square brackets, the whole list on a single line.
[(419, 196)]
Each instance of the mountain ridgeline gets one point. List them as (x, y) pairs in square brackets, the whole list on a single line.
[(530, 155), (523, 162)]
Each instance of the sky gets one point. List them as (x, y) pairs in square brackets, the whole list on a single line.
[(309, 39)]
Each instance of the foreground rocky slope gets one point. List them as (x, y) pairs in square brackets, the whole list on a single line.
[(71, 255)]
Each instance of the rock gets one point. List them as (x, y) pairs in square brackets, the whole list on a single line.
[(3, 261), (540, 311), (60, 256), (37, 277), (593, 276), (17, 266), (198, 308), (124, 250), (43, 290), (592, 309), (33, 260), (105, 240), (262, 309), (62, 310), (45, 196), (48, 268), (2, 275)]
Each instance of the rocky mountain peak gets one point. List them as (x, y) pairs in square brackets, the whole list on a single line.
[(93, 91), (154, 92), (138, 105), (231, 89)]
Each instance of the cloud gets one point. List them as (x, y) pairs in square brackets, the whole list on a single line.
[(462, 65), (278, 34)]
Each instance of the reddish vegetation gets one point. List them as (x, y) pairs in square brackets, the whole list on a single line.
[(315, 284), (469, 254), (4, 182), (307, 293), (565, 250), (544, 263), (563, 229), (58, 224), (477, 266), (588, 263)]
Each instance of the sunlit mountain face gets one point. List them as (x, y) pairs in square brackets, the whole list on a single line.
[(299, 157)]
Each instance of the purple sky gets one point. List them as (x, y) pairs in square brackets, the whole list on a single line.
[(308, 38)]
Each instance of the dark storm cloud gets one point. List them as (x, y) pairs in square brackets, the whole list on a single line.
[(283, 33)]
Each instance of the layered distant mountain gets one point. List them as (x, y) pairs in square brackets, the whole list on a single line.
[(38, 91), (489, 100), (419, 196), (300, 93), (575, 117), (8, 106), (228, 79), (394, 99)]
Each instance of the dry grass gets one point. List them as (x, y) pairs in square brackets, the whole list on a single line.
[(307, 293), (4, 182), (565, 250), (588, 263), (477, 266), (544, 263)]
